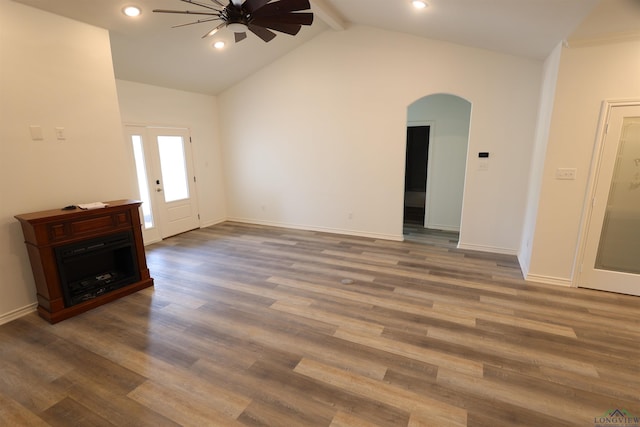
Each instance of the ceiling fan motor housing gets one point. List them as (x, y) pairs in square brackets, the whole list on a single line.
[(236, 15)]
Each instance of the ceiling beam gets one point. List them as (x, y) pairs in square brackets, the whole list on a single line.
[(328, 14)]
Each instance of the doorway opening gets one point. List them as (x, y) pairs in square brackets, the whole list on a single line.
[(415, 177), (435, 165)]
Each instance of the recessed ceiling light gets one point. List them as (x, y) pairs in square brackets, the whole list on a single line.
[(131, 11), (219, 44), (418, 4)]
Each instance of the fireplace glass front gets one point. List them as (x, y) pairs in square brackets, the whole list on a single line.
[(93, 267)]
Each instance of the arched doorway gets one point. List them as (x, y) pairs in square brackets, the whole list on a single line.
[(437, 145)]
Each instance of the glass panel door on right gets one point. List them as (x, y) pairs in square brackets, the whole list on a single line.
[(612, 250), (619, 246)]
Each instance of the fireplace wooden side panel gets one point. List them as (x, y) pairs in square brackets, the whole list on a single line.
[(45, 231)]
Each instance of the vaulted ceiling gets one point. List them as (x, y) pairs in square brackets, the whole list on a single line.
[(146, 49)]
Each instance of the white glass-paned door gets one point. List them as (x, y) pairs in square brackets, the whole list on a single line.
[(166, 180), (619, 247), (611, 260), (174, 180)]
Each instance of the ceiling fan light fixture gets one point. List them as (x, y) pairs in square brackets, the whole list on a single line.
[(219, 44), (132, 11), (419, 4), (262, 18), (237, 27)]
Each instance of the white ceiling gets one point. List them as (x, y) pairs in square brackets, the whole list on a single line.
[(146, 49)]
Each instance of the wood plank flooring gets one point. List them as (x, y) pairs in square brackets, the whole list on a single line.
[(257, 326)]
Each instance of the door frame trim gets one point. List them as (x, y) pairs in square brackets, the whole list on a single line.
[(594, 172)]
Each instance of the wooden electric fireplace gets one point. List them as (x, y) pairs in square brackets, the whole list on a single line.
[(85, 258)]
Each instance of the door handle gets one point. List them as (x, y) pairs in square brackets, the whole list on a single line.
[(158, 190)]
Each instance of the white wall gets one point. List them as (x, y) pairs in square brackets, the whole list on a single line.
[(54, 72), (321, 134), (152, 105), (449, 118), (587, 77), (550, 76)]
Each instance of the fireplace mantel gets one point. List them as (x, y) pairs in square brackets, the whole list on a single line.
[(47, 231)]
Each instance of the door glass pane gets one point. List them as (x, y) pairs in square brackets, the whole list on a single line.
[(619, 247), (175, 182), (143, 183)]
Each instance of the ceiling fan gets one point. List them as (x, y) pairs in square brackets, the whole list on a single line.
[(258, 16)]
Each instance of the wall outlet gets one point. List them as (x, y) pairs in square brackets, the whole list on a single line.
[(566, 173)]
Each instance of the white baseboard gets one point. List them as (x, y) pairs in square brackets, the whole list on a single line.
[(524, 265), (202, 225), (397, 238), (212, 222), (443, 227), (492, 249), (548, 280), (15, 314)]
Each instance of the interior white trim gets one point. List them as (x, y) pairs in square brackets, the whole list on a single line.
[(15, 314), (443, 227), (524, 266), (548, 280), (393, 237), (491, 249), (213, 222)]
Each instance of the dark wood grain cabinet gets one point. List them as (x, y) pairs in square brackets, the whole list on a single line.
[(85, 258)]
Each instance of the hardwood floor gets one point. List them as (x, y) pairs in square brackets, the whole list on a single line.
[(256, 326)]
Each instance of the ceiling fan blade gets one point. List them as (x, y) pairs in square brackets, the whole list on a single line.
[(292, 29), (253, 5), (262, 32), (282, 7), (187, 12), (240, 36), (215, 30), (289, 18), (206, 6), (199, 21)]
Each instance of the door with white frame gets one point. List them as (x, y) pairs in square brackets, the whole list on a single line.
[(166, 180), (611, 255)]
